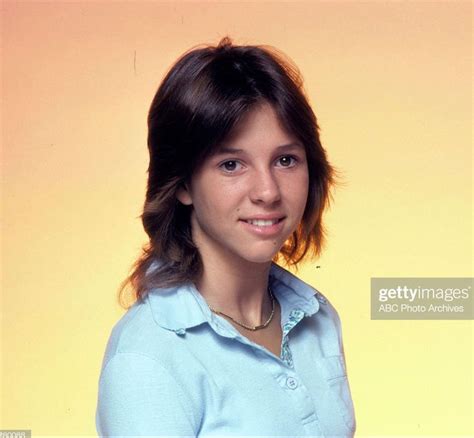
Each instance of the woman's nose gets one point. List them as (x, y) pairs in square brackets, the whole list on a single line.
[(265, 188)]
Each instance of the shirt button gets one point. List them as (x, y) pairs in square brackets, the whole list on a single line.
[(321, 299), (291, 382)]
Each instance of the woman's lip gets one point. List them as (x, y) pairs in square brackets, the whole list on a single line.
[(268, 230), (264, 218)]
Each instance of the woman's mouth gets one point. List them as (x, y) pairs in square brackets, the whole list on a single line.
[(263, 223), (264, 227)]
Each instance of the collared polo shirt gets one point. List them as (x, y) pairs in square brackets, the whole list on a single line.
[(174, 368)]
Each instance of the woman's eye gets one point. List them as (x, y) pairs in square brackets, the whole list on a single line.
[(287, 161), (230, 166)]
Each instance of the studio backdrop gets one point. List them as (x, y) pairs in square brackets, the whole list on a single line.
[(390, 83)]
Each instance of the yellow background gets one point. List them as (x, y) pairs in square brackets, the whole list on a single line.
[(390, 83)]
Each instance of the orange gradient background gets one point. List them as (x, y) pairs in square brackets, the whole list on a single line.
[(390, 83)]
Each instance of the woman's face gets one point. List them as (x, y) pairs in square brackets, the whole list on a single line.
[(250, 194)]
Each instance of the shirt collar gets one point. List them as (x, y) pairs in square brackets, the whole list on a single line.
[(182, 307)]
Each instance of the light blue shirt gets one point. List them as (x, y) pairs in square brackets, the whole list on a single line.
[(174, 368)]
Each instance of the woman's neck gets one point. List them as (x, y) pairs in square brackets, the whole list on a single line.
[(237, 288)]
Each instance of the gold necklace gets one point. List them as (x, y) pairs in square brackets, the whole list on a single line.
[(256, 327)]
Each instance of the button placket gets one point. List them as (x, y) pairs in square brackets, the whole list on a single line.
[(296, 315)]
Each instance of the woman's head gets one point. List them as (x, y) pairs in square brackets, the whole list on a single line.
[(199, 106), (249, 195)]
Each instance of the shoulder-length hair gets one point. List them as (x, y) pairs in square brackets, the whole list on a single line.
[(202, 97)]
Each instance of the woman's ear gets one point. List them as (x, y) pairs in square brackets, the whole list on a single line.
[(183, 195)]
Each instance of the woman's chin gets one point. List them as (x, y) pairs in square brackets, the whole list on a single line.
[(261, 257)]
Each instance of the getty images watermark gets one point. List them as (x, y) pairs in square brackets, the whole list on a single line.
[(421, 298)]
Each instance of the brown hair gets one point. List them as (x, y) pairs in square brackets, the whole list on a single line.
[(202, 97)]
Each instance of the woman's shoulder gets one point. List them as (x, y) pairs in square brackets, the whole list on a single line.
[(136, 332), (301, 293), (300, 298), (136, 381)]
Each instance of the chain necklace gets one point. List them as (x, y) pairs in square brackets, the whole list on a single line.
[(248, 327)]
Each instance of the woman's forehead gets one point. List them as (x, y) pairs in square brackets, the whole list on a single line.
[(260, 124)]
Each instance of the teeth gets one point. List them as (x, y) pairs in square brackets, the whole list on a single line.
[(262, 223)]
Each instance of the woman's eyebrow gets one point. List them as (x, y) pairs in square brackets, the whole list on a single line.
[(229, 150)]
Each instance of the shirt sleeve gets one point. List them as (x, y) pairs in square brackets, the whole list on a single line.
[(139, 397)]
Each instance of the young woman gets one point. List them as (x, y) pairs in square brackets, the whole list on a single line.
[(221, 339)]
